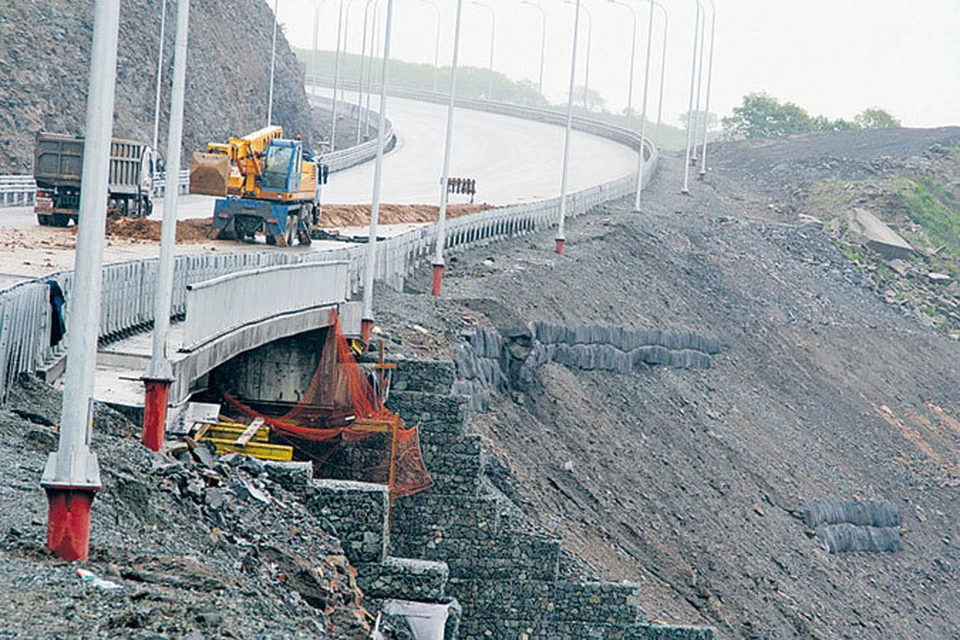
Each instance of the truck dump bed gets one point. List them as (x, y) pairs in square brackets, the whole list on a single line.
[(58, 161)]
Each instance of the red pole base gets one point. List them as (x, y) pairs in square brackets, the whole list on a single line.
[(559, 247), (437, 279), (366, 326), (68, 522), (155, 412)]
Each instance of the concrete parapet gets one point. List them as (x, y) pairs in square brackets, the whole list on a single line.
[(357, 512)]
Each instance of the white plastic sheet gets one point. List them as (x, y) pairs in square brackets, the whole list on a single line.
[(426, 621)]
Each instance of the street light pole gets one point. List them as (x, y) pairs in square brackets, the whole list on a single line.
[(447, 152), (156, 109), (696, 109), (493, 34), (586, 79), (336, 81), (663, 68), (706, 107), (543, 39), (561, 230), (363, 54), (633, 54), (273, 63), (71, 477), (346, 49), (366, 322), (159, 373), (685, 190), (436, 47), (373, 55), (643, 115), (316, 33)]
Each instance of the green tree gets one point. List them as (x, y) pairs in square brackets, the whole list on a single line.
[(762, 116), (591, 100), (699, 117), (823, 123), (876, 119)]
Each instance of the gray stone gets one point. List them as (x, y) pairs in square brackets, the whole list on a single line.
[(292, 476), (215, 499), (875, 234)]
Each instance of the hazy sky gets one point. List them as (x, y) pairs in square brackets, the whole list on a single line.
[(832, 57)]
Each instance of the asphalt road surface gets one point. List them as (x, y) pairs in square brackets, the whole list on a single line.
[(513, 160)]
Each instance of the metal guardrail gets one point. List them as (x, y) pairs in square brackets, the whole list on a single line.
[(128, 288), (160, 183), (218, 306), (17, 190), (352, 156), (21, 190)]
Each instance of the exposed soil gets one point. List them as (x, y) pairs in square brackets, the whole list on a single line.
[(355, 215), (691, 482)]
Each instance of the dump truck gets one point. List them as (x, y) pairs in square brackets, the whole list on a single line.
[(264, 183), (58, 169)]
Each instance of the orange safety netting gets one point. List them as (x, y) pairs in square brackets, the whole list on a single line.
[(340, 408)]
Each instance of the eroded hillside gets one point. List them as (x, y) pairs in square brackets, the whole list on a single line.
[(45, 57), (694, 482)]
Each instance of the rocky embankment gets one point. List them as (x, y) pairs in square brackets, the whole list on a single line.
[(703, 484), (904, 182), (44, 65)]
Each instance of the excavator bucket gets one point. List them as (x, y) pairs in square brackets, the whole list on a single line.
[(209, 174)]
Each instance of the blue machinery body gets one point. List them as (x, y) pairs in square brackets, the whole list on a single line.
[(243, 217)]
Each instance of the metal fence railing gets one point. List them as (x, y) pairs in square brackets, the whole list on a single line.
[(17, 190), (21, 190), (128, 288)]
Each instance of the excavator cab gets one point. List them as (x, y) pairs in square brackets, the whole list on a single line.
[(282, 166)]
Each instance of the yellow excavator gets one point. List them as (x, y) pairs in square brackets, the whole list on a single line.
[(264, 182)]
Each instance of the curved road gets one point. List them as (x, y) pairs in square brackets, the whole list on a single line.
[(513, 160)]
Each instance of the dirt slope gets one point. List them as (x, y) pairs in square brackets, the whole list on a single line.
[(692, 481)]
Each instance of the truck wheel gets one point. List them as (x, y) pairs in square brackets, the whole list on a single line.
[(61, 219), (44, 220)]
